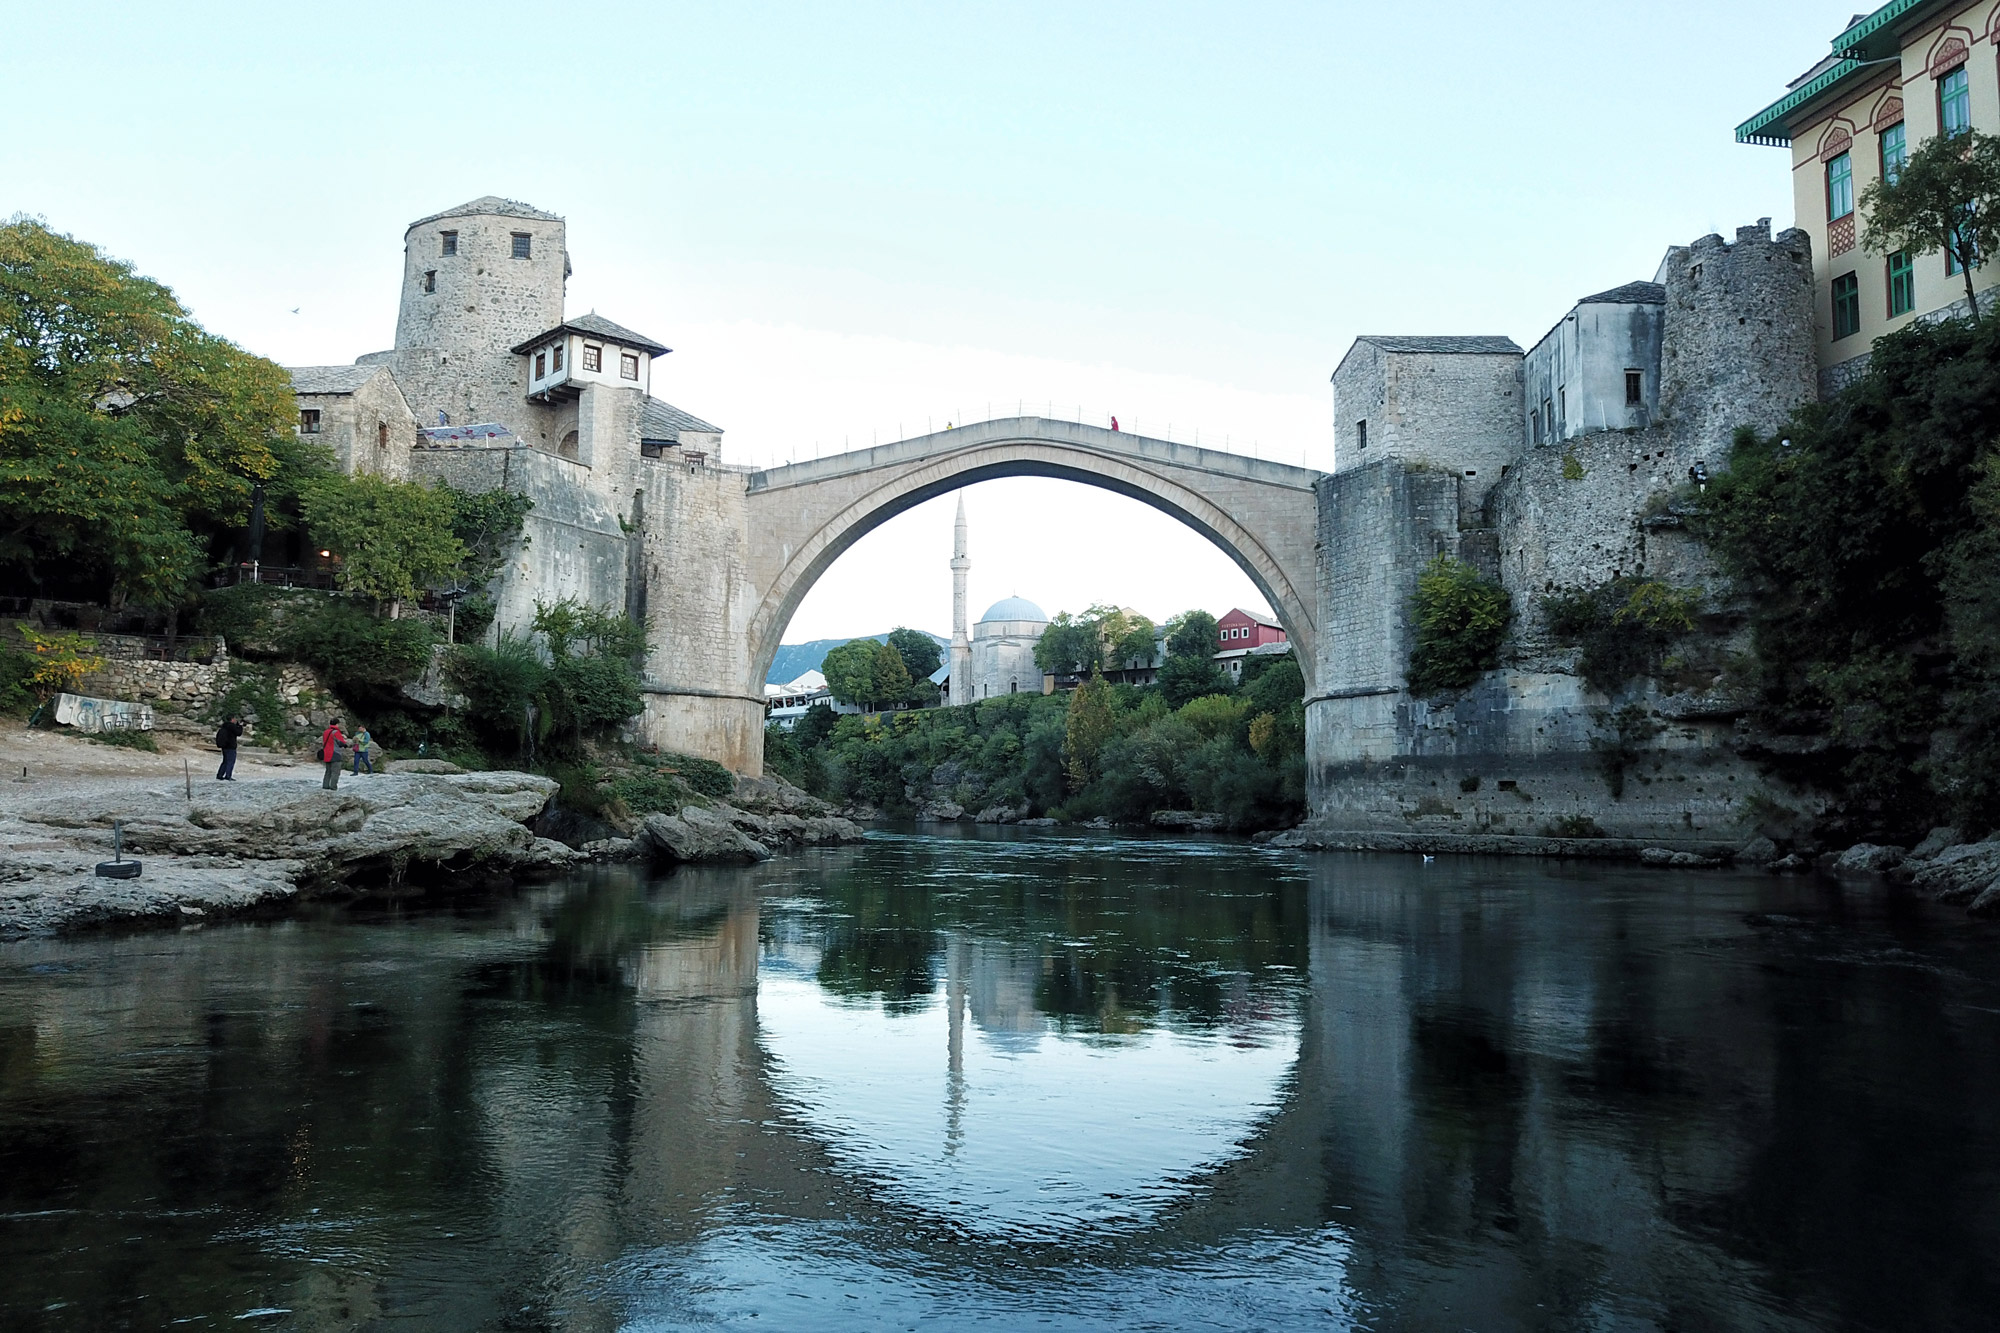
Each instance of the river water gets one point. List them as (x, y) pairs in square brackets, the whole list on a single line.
[(1017, 1080)]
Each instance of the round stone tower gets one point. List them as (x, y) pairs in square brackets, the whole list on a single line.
[(1737, 346), (477, 280)]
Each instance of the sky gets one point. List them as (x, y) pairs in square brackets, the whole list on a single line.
[(857, 222)]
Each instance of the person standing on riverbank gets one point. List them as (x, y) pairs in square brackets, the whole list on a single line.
[(226, 737), (362, 742), (330, 742)]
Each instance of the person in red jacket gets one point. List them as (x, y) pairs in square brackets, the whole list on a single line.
[(330, 742)]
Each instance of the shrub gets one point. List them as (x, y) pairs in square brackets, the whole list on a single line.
[(57, 662), (1461, 618), (1624, 626), (705, 776)]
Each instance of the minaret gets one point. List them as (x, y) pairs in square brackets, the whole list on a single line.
[(961, 644)]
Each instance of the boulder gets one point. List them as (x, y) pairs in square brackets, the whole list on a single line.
[(1043, 822), (772, 793), (697, 835), (1002, 814), (421, 766), (1988, 901), (1936, 841), (1868, 858), (613, 849), (1959, 874), (1789, 864), (1194, 821), (941, 810), (1666, 856), (788, 830), (1759, 851)]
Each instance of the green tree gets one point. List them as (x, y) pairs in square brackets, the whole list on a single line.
[(1070, 643), (129, 435), (1461, 617), (892, 677), (850, 672), (919, 651), (1945, 198), (1864, 537), (866, 673), (1131, 639), (1089, 725), (1193, 634), (393, 538)]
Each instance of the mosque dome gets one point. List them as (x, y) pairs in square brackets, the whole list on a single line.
[(1014, 608)]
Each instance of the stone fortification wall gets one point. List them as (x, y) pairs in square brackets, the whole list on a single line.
[(1599, 507), (701, 694), (1378, 526), (460, 315), (1457, 412), (575, 543), (1738, 344), (1532, 749)]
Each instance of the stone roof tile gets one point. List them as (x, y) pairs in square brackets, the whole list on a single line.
[(330, 379), (1632, 293), (1448, 344), (491, 205), (662, 423)]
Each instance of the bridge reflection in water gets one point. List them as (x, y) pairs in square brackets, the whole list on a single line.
[(1002, 1078)]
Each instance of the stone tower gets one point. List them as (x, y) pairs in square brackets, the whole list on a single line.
[(477, 280), (961, 642), (1737, 346)]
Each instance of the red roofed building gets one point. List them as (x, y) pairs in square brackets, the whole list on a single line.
[(1240, 629)]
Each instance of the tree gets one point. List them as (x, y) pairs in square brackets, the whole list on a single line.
[(850, 671), (393, 538), (1946, 197), (1461, 618), (1864, 538), (1185, 678), (1130, 639), (1089, 725), (1192, 634), (1069, 643), (866, 673), (919, 651), (129, 436), (892, 677)]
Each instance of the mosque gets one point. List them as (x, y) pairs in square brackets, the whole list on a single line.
[(999, 655)]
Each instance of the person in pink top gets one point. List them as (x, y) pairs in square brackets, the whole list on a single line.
[(330, 742)]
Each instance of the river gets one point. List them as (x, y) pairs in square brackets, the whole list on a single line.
[(1018, 1079)]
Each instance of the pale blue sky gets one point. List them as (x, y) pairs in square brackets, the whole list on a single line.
[(846, 219)]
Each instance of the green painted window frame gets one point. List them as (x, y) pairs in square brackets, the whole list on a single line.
[(1846, 306), (1954, 96), (1902, 284), (1839, 187), (1895, 150)]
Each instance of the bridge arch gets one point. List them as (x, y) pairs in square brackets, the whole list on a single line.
[(804, 516)]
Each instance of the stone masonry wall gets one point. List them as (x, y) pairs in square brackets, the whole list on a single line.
[(1531, 748), (701, 698), (453, 344), (1738, 344), (574, 542)]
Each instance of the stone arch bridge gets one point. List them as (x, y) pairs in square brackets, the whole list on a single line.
[(730, 553)]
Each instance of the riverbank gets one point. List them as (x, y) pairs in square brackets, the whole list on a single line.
[(274, 835)]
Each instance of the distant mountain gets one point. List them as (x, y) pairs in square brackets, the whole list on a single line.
[(795, 659)]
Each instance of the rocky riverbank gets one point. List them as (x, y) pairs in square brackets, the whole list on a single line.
[(212, 849)]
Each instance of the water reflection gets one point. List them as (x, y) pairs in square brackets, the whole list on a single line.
[(1009, 1079)]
